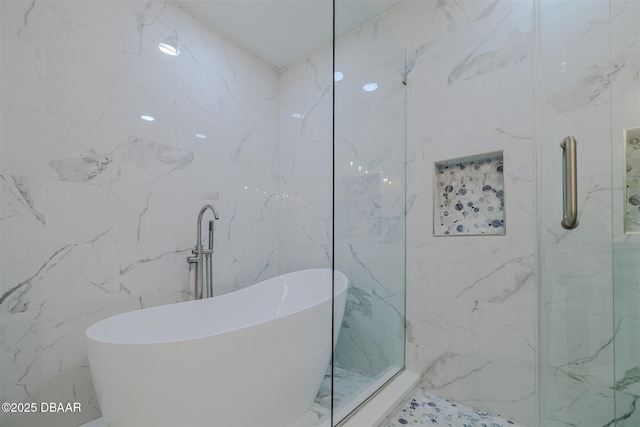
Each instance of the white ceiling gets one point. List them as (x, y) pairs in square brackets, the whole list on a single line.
[(284, 31)]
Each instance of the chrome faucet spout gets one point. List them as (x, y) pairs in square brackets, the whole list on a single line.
[(200, 215), (201, 255)]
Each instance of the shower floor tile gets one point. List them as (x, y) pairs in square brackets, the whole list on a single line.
[(426, 409)]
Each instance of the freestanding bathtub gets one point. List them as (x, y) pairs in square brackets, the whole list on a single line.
[(254, 357)]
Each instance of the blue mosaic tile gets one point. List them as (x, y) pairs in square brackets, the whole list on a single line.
[(470, 196), (426, 409), (632, 181)]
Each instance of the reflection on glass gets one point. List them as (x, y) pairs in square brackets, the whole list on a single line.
[(369, 212)]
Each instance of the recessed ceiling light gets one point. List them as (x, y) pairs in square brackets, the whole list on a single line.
[(200, 135), (299, 116), (147, 118), (370, 87)]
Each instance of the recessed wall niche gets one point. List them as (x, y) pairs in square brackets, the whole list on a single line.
[(469, 196), (632, 180)]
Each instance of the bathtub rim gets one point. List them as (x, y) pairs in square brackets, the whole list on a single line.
[(90, 333)]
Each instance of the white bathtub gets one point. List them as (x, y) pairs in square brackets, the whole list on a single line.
[(254, 357)]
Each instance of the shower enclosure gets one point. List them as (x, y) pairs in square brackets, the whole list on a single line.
[(587, 87)]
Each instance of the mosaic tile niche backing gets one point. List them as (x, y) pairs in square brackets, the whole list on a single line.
[(632, 178), (470, 196)]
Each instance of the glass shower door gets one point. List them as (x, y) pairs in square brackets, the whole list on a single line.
[(369, 203), (587, 87), (625, 176)]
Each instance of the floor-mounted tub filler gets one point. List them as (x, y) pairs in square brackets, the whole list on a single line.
[(256, 356)]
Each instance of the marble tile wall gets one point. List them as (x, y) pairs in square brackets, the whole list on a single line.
[(471, 300), (98, 206), (306, 162)]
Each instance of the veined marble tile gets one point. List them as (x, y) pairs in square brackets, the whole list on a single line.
[(568, 401), (23, 220), (481, 383), (504, 333), (626, 281), (21, 354), (25, 134), (23, 79), (468, 86), (495, 274), (579, 346), (627, 356), (437, 325), (99, 207), (577, 279), (627, 413)]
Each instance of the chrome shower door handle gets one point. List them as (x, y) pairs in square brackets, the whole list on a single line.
[(569, 183)]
